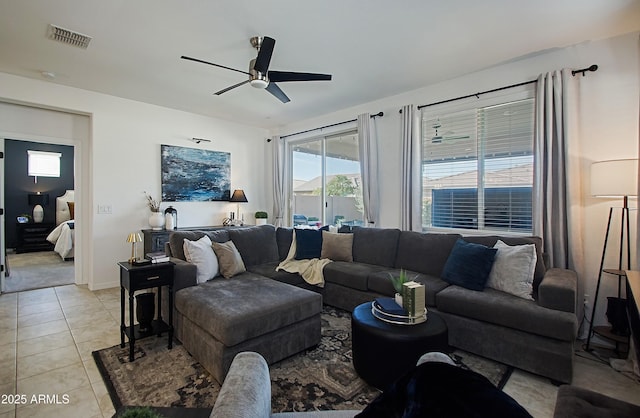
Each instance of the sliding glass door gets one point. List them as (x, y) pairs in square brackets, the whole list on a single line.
[(325, 186)]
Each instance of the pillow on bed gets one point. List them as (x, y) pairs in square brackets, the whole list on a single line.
[(71, 206)]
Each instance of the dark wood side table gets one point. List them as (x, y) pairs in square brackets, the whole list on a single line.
[(140, 277)]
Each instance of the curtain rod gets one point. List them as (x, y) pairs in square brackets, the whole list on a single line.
[(477, 95), (327, 126)]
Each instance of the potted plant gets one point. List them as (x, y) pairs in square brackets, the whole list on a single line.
[(397, 282), (156, 220), (261, 217)]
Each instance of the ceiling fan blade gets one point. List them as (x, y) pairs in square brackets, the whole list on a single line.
[(184, 57), (218, 93), (283, 76), (275, 90), (264, 55)]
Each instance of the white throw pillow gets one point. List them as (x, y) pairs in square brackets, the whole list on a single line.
[(201, 254), (513, 269)]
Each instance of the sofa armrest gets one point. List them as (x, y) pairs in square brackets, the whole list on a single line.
[(246, 391), (558, 290), (184, 274)]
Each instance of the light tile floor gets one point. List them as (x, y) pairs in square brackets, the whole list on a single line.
[(47, 336), (46, 340)]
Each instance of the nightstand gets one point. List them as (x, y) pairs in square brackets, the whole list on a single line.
[(32, 236), (140, 277)]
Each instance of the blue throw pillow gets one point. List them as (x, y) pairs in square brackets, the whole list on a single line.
[(308, 243), (469, 265)]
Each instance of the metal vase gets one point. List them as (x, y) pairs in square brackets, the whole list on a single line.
[(145, 310)]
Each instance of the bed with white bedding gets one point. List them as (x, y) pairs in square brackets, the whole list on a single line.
[(62, 235)]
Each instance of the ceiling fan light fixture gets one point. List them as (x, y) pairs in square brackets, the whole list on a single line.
[(256, 78), (259, 83)]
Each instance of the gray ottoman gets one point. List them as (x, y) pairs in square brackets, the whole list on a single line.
[(218, 319)]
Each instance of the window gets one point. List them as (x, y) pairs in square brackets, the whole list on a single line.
[(326, 185), (44, 164), (477, 166)]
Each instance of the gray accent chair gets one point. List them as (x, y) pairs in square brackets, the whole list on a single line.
[(246, 393), (575, 402)]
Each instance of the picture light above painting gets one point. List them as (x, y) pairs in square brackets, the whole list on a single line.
[(195, 175)]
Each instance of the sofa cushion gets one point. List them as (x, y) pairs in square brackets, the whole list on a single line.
[(424, 253), (352, 275), (233, 310), (469, 265), (269, 270), (176, 242), (375, 245), (490, 241), (201, 254), (284, 237), (337, 247), (229, 259), (256, 244), (500, 308), (513, 269), (380, 283), (176, 239)]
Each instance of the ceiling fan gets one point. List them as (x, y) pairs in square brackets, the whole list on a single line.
[(259, 74)]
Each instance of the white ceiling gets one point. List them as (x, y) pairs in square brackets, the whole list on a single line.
[(373, 48)]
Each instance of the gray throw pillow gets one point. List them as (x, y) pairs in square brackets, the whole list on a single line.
[(229, 259), (337, 247)]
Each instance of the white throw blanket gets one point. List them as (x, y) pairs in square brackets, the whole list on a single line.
[(310, 270)]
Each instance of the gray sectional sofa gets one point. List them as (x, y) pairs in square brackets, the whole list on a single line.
[(534, 335)]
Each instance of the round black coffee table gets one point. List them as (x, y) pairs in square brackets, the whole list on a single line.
[(382, 352)]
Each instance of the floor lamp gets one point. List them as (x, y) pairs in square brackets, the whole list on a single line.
[(613, 178)]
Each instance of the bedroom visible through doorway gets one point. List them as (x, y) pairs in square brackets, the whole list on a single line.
[(39, 217)]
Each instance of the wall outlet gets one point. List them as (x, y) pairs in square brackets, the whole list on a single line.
[(586, 300)]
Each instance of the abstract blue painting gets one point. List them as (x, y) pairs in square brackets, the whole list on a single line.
[(195, 175)]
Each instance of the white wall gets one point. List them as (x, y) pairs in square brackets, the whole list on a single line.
[(608, 129), (123, 159)]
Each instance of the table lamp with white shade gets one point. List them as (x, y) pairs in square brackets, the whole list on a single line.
[(614, 179)]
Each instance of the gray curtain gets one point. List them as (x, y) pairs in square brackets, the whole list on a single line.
[(410, 218), (278, 181), (557, 213), (368, 153)]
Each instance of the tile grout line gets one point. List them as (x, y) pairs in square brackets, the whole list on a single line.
[(95, 395)]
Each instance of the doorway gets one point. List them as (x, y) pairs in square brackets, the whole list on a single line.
[(38, 229), (325, 182)]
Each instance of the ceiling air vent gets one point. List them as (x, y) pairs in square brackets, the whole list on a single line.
[(68, 37)]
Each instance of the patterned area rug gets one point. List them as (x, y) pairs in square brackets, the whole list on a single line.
[(321, 378)]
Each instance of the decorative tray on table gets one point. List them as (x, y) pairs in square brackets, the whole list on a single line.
[(394, 318)]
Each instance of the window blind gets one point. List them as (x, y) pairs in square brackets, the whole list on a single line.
[(477, 167), (43, 164)]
